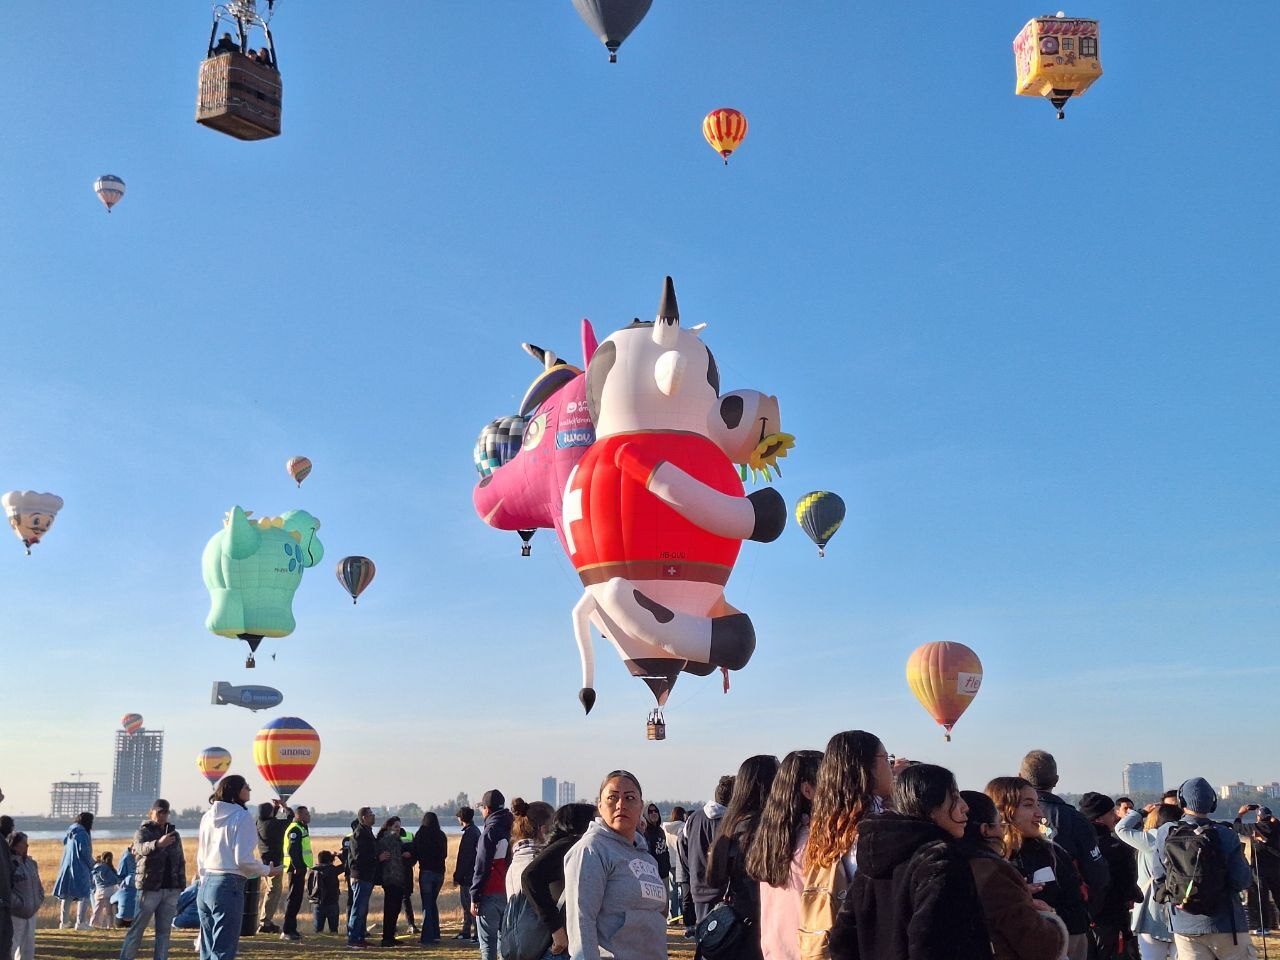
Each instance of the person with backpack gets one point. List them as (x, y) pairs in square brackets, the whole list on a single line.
[(855, 780), (700, 830), (1043, 863), (1201, 872), (1111, 933), (1150, 920), (542, 881), (727, 858), (776, 856), (1068, 828)]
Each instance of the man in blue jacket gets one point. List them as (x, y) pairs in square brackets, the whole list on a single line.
[(488, 882), (1222, 934)]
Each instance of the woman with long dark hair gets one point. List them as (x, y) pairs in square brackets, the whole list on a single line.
[(391, 867), (1041, 861), (854, 781), (727, 858), (775, 858), (1021, 927), (431, 849), (913, 895), (543, 879), (227, 855)]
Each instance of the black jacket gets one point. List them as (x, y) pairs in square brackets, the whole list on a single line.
[(362, 862), (430, 848), (1122, 889), (656, 839), (913, 897), (465, 868), (322, 885), (727, 868), (699, 831), (271, 838), (1074, 834), (1063, 893), (159, 868), (543, 881)]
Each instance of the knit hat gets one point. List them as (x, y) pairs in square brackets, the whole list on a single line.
[(1198, 795), (493, 799), (1095, 805)]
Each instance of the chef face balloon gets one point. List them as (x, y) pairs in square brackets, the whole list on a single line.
[(31, 514)]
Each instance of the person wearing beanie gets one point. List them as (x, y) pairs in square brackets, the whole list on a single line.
[(1264, 856), (271, 831), (1220, 933), (489, 881), (1068, 827), (1111, 931)]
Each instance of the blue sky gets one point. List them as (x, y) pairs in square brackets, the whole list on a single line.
[(1036, 358)]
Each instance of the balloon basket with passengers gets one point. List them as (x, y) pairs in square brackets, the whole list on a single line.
[(240, 92)]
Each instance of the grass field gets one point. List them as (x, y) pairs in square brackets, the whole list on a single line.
[(56, 944)]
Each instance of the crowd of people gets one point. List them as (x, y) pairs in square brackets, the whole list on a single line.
[(845, 854)]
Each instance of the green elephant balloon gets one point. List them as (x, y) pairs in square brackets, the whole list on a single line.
[(252, 568)]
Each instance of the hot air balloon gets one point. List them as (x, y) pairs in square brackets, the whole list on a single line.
[(240, 91), (725, 129), (526, 547), (252, 568), (612, 20), (299, 468), (945, 677), (30, 514), (213, 763), (820, 514), (286, 751), (249, 697), (132, 723), (355, 573), (1056, 57), (109, 189), (498, 442)]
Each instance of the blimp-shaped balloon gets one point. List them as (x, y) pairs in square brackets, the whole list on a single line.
[(249, 697)]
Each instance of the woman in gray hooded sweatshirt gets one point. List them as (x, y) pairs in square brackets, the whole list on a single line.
[(615, 899)]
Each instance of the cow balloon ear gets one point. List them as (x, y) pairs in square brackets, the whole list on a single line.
[(597, 371)]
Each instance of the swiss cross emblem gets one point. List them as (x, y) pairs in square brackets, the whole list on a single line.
[(671, 571)]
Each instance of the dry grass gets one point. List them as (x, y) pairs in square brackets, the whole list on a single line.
[(56, 944)]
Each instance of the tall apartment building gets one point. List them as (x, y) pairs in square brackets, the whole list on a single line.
[(567, 793), (135, 782), (1146, 779), (549, 790), (70, 798)]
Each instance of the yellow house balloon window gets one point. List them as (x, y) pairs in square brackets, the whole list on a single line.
[(1056, 57)]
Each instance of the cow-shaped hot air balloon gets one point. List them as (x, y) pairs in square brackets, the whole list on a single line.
[(655, 512), (252, 569), (522, 489)]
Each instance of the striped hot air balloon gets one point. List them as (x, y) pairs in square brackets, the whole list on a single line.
[(109, 189), (725, 129), (286, 751), (299, 468), (355, 573), (498, 442), (132, 723), (214, 762), (945, 677), (820, 514)]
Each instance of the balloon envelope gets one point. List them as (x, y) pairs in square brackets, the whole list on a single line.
[(286, 751), (109, 189), (299, 468), (725, 129), (132, 722), (820, 514), (945, 677), (612, 20), (355, 573), (30, 514), (214, 762), (498, 442)]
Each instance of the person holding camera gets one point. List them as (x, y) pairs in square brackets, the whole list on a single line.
[(1264, 843), (271, 831), (160, 876)]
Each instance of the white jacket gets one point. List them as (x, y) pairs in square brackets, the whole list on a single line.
[(229, 842)]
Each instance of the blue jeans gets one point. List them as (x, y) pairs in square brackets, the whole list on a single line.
[(221, 900), (673, 898), (163, 905), (429, 884), (489, 922), (358, 915)]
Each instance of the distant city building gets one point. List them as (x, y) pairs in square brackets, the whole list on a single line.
[(549, 790), (568, 793), (1146, 779), (1238, 790), (135, 783), (1271, 789), (70, 798)]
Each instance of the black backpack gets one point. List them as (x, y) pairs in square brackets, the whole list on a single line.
[(1195, 878)]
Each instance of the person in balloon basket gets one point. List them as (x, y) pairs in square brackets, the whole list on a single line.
[(160, 874), (362, 862), (271, 830), (226, 857), (298, 860), (464, 870), (489, 881), (323, 892)]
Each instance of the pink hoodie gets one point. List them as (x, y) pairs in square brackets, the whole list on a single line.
[(780, 909)]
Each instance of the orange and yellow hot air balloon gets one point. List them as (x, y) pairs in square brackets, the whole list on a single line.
[(725, 129), (944, 676), (286, 751), (214, 762)]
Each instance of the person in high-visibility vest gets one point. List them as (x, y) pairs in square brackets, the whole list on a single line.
[(297, 861)]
